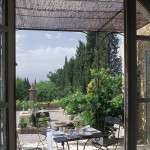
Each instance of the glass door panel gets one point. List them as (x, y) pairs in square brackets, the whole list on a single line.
[(2, 12), (143, 76), (3, 130), (143, 69), (143, 93), (7, 75), (2, 68)]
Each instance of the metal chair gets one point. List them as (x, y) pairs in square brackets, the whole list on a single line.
[(112, 130), (96, 140)]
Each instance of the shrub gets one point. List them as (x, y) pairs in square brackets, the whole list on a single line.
[(20, 104), (32, 120), (73, 103), (104, 97), (22, 123)]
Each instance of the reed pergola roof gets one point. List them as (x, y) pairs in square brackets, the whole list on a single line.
[(72, 15)]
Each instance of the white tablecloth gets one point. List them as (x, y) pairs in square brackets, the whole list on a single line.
[(50, 141)]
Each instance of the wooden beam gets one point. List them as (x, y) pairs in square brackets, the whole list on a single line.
[(143, 10)]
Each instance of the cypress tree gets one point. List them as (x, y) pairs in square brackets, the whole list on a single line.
[(114, 60), (79, 67), (89, 55)]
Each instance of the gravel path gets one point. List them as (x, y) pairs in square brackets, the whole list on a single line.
[(56, 115)]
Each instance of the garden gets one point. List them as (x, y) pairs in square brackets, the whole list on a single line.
[(88, 85), (104, 97)]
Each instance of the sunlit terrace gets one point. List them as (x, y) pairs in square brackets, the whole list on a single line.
[(101, 93)]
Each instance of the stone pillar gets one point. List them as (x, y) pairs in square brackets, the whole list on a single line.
[(32, 92)]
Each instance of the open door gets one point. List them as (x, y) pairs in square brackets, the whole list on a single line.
[(7, 75), (143, 76), (137, 61)]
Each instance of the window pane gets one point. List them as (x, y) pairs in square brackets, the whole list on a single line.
[(3, 137), (2, 67), (2, 12), (143, 126), (143, 69)]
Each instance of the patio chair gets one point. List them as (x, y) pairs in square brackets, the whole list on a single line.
[(43, 120), (112, 130)]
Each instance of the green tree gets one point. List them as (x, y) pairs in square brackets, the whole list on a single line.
[(68, 74), (89, 55), (46, 91), (79, 67), (114, 60), (58, 78), (102, 97), (101, 55), (100, 51), (22, 86)]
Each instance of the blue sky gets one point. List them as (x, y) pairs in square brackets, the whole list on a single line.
[(38, 52)]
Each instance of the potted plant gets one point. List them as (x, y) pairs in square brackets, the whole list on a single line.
[(78, 122), (22, 125)]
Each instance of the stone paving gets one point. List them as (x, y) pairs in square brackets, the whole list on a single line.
[(31, 140), (56, 116)]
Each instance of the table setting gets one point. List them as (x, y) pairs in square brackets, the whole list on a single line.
[(69, 134)]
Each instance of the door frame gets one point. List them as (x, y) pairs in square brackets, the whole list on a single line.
[(130, 73)]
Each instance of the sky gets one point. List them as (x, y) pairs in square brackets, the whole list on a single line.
[(41, 52)]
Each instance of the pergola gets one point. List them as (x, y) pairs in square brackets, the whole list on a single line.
[(73, 15)]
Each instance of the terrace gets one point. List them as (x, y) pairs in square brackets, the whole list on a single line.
[(129, 17), (81, 16), (29, 140)]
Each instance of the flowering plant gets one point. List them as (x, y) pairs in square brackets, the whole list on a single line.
[(77, 121)]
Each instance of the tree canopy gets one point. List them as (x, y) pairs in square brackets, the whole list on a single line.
[(99, 51)]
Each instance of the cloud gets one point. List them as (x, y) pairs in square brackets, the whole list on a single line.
[(19, 37), (51, 37), (72, 39), (42, 52), (58, 35), (37, 63)]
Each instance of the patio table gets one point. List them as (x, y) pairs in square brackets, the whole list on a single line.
[(61, 137)]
